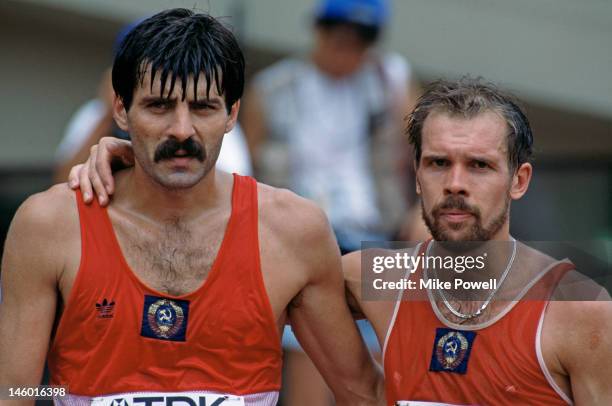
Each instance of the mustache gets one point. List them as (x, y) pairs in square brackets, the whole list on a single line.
[(456, 202), (169, 148)]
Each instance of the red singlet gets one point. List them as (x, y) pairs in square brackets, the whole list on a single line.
[(119, 342), (428, 361)]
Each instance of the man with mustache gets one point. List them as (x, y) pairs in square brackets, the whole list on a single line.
[(177, 292), (514, 345)]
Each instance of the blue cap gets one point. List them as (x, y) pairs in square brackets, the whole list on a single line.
[(372, 13), (123, 32)]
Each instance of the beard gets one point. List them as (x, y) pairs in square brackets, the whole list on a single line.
[(475, 231)]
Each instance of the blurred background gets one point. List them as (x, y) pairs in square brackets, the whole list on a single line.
[(555, 55)]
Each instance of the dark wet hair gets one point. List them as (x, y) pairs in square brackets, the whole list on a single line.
[(180, 43), (468, 97)]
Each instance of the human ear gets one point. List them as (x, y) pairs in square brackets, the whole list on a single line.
[(232, 117), (520, 181), (120, 113)]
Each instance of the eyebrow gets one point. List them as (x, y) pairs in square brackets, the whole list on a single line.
[(471, 157), (484, 158), (213, 102), (433, 157), (150, 99)]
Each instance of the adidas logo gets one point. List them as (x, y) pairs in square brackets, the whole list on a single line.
[(105, 309)]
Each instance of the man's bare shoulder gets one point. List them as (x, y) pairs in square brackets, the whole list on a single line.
[(578, 287), (43, 232), (584, 329), (577, 345), (50, 212), (295, 219), (533, 259), (580, 300)]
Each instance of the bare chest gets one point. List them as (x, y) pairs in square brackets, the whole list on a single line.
[(173, 258)]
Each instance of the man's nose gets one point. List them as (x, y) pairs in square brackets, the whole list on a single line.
[(182, 123), (456, 181)]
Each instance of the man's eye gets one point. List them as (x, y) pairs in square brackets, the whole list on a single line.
[(201, 106), (159, 104), (439, 162), (480, 165)]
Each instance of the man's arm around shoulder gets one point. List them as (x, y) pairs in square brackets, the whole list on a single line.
[(319, 314), (32, 266), (351, 267)]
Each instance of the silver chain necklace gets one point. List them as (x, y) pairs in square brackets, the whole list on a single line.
[(491, 295)]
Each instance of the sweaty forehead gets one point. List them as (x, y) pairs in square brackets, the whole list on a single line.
[(486, 132), (147, 88)]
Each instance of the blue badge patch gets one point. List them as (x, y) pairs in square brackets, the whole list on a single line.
[(451, 350), (164, 319)]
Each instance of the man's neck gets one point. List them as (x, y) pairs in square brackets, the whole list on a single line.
[(139, 192), (496, 254)]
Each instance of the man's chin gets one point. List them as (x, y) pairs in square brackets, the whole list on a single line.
[(454, 233), (444, 229), (453, 237), (179, 180)]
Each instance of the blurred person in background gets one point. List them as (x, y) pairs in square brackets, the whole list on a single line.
[(94, 120), (328, 126)]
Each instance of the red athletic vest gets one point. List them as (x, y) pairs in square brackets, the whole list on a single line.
[(500, 364), (117, 335)]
